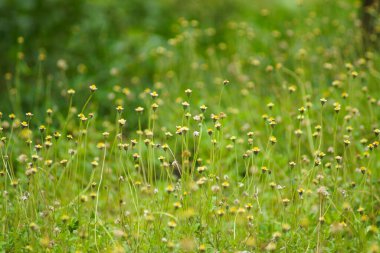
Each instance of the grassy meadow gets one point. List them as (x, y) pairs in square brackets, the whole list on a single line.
[(197, 126)]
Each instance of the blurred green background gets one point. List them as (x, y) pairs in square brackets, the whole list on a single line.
[(101, 34), (136, 44)]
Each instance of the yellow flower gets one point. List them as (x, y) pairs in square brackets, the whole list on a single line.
[(93, 88), (172, 224)]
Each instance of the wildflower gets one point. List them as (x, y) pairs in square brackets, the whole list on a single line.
[(49, 112), (94, 164), (276, 236), (57, 135), (154, 106), (285, 201), (270, 106), (214, 117), (177, 205), (337, 107), (93, 88), (169, 189), (93, 195), (154, 94), (338, 159), (323, 101), (271, 246), (83, 198), (272, 123), (323, 191), (226, 184), (188, 92), (185, 105), (198, 117), (135, 156), (285, 227), (220, 212), (48, 163), (298, 132), (203, 108), (201, 169), (215, 188), (29, 115), (241, 210), (300, 191), (147, 142), (63, 162), (12, 116), (292, 88), (273, 140), (14, 183), (31, 171), (42, 128), (101, 145), (182, 130), (24, 124), (139, 109), (172, 224), (38, 147), (336, 83), (122, 122), (133, 142), (71, 92), (119, 109), (33, 226), (201, 181)]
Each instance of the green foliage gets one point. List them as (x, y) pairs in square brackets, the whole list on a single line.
[(159, 126)]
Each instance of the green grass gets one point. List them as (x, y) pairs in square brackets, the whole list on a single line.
[(258, 132)]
